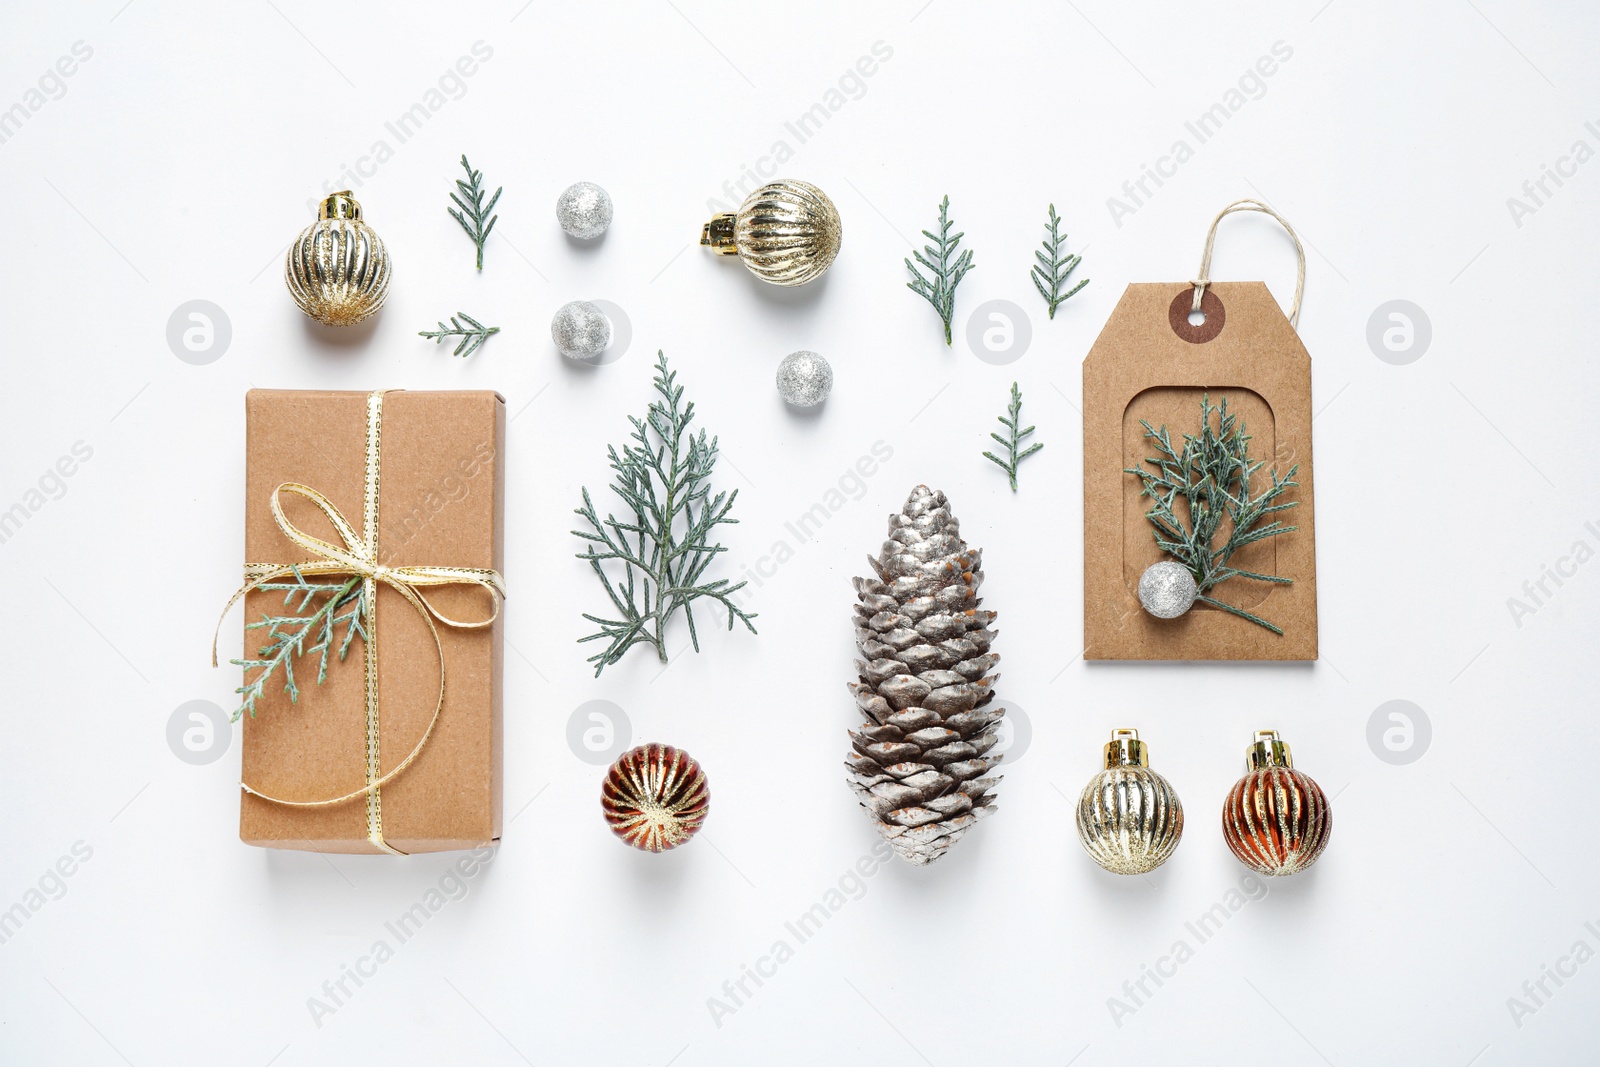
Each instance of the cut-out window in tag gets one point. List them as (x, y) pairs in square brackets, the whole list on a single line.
[(1198, 515)]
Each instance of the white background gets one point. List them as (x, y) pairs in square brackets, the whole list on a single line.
[(179, 162)]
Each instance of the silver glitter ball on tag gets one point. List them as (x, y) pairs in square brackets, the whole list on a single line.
[(584, 210), (580, 330), (1167, 589), (804, 379)]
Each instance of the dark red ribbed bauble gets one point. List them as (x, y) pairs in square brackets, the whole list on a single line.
[(1276, 820)]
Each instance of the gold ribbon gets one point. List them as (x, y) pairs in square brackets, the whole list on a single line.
[(359, 557)]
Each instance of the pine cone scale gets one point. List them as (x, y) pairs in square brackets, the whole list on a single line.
[(905, 691)]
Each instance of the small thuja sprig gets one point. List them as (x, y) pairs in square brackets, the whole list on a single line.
[(472, 335), (335, 604), (471, 207), (664, 541), (1211, 472), (1013, 441), (945, 264), (1051, 273)]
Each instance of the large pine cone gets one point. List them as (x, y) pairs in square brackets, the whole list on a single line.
[(919, 762)]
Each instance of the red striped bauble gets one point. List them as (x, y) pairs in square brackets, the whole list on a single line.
[(1277, 820), (655, 797)]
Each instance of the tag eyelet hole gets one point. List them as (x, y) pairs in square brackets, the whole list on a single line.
[(1182, 317)]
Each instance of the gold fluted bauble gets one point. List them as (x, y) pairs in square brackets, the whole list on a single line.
[(655, 797), (1129, 817), (787, 232), (337, 270), (1276, 819)]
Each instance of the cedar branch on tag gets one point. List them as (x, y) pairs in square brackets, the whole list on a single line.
[(1212, 472)]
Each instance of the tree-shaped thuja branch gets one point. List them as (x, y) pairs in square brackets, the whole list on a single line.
[(945, 264)]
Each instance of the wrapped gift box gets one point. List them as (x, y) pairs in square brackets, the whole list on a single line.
[(441, 486)]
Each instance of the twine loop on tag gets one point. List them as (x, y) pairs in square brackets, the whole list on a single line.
[(1203, 279)]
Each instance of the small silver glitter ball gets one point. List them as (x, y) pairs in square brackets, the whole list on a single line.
[(580, 330), (804, 379), (1167, 589), (584, 210)]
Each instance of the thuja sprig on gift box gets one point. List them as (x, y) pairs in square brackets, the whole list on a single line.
[(319, 609), (1220, 513), (664, 541)]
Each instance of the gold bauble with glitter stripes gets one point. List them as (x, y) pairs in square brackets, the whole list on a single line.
[(1129, 817), (337, 270), (786, 232)]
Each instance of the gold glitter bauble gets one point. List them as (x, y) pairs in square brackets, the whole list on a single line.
[(655, 797), (1129, 817), (337, 270), (1276, 819), (787, 232)]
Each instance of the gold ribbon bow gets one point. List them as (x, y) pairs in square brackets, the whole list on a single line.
[(359, 557)]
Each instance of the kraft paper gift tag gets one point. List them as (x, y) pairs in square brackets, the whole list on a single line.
[(1150, 363)]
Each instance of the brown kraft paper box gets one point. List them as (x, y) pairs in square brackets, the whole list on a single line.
[(441, 504), (1149, 363)]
